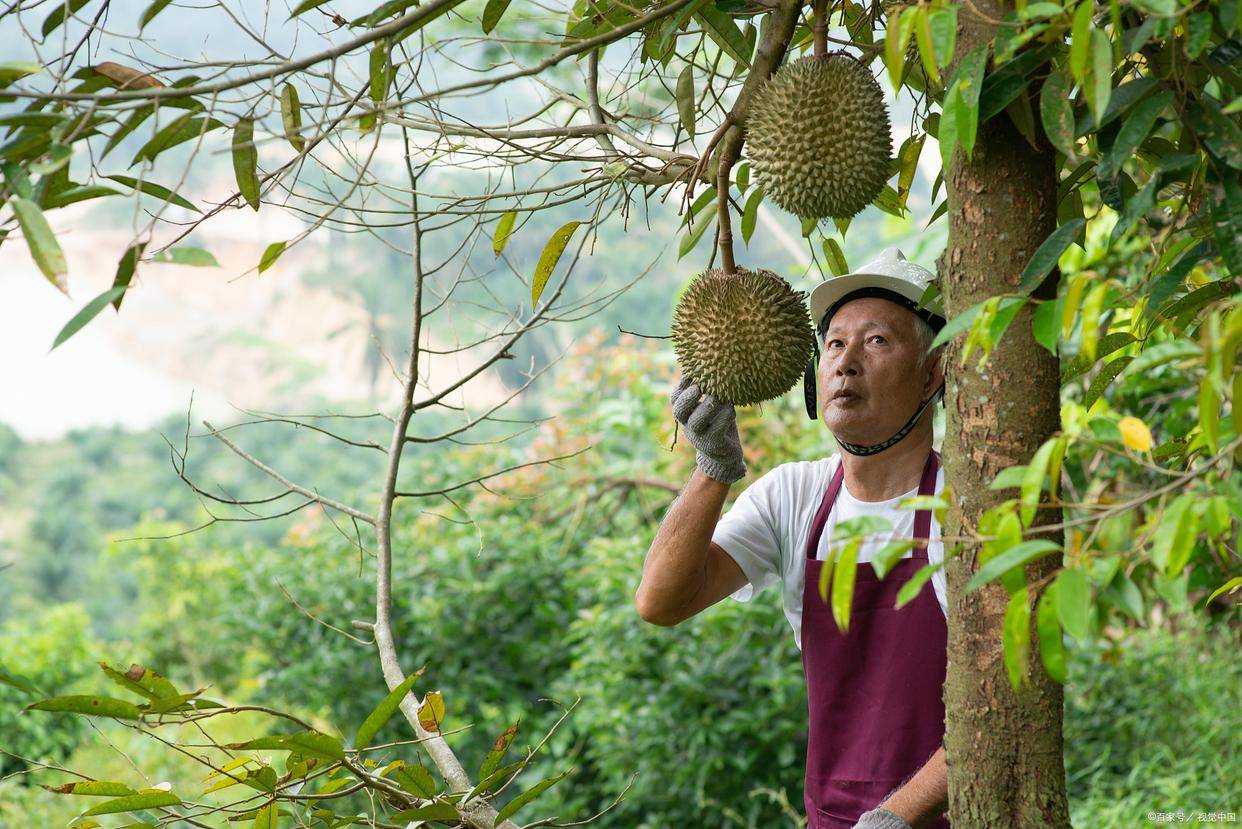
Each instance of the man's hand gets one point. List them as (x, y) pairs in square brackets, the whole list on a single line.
[(711, 428), (880, 819)]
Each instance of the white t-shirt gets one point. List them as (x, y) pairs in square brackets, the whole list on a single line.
[(767, 529)]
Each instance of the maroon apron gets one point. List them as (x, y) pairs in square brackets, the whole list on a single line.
[(875, 693)]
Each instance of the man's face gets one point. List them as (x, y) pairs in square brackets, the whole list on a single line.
[(869, 379)]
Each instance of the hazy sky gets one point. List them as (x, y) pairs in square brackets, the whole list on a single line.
[(86, 381)]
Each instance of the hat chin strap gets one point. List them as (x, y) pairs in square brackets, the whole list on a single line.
[(858, 449)]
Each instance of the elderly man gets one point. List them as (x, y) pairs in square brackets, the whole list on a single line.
[(874, 756)]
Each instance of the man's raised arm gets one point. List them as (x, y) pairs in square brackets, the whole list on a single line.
[(684, 572)]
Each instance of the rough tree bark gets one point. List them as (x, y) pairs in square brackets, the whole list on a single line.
[(1003, 748)]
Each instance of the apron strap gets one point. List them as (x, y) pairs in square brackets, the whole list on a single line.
[(922, 518)]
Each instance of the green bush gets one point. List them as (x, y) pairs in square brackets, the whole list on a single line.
[(53, 651), (1154, 726)]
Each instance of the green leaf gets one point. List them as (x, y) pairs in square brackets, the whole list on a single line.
[(721, 29), (1018, 556), (911, 588), (150, 13), (1033, 480), (495, 777), (1198, 31), (61, 10), (705, 202), (923, 35), (1073, 602), (1121, 99), (882, 562), (492, 12), (88, 313), (1230, 586), (195, 257), (957, 325), (1175, 536), (19, 682), (387, 707), (90, 705), (1134, 131), (92, 788), (899, 28), (310, 743), (527, 796), (845, 568), (492, 761), (1010, 80), (305, 6), (908, 163), (969, 82), (691, 239), (146, 799), (270, 254), (1046, 257), (1209, 411), (742, 177), (1045, 323), (181, 129), (245, 161), (291, 116), (142, 681), (835, 257), (1102, 379), (1080, 40), (1137, 206), (1051, 645), (547, 260), (379, 71), (1101, 84), (266, 818), (42, 242), (16, 70), (685, 99), (504, 229), (887, 200), (1056, 112), (414, 778), (153, 189), (750, 214), (73, 195), (943, 23), (1225, 202), (1016, 637), (1081, 363), (125, 270)]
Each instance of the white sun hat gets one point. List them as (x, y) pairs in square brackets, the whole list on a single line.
[(889, 275)]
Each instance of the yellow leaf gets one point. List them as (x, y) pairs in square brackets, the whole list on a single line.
[(431, 712), (1135, 434)]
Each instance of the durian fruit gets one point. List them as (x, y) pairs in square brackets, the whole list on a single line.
[(819, 138), (744, 337)]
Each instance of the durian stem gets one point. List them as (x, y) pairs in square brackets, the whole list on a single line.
[(730, 149), (820, 27)]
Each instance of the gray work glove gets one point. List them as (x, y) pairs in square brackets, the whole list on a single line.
[(880, 819), (711, 428)]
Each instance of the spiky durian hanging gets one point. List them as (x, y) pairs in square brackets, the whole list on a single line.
[(744, 337), (818, 137)]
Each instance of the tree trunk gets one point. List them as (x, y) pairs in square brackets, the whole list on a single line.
[(1003, 748)]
